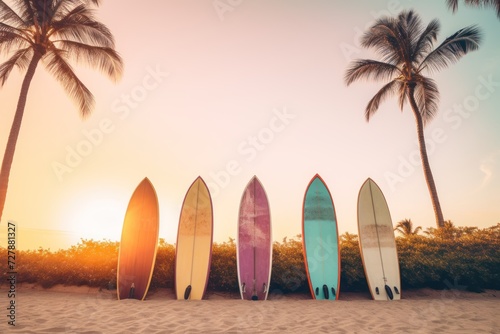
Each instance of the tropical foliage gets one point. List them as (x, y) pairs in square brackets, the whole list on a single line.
[(289, 273), (223, 273), (453, 4), (406, 50), (52, 32), (462, 258), (405, 228)]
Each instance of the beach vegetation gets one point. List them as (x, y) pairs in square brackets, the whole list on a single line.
[(405, 228), (462, 258)]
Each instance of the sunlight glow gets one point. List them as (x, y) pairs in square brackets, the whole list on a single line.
[(96, 218)]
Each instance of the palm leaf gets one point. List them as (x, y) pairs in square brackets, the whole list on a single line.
[(452, 49), (382, 39), (385, 92), (424, 44), (27, 12), (105, 59), (78, 26), (408, 28), (9, 16), (11, 40), (427, 98), (20, 58), (63, 72), (368, 69), (453, 4)]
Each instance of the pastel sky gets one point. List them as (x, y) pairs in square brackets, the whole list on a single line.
[(231, 89)]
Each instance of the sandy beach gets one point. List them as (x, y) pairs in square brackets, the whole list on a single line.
[(90, 310)]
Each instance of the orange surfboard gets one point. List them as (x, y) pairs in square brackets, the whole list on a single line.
[(139, 243)]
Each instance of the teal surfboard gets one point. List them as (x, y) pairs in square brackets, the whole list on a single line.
[(320, 241)]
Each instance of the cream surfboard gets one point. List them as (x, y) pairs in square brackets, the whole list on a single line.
[(377, 243), (320, 241), (194, 243), (138, 243), (254, 252)]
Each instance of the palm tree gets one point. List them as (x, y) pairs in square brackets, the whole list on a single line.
[(349, 237), (405, 227), (453, 4), (53, 32), (406, 50), (448, 231)]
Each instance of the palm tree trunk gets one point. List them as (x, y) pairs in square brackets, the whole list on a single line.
[(14, 131), (425, 159)]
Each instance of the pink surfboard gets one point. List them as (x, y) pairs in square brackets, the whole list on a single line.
[(254, 254)]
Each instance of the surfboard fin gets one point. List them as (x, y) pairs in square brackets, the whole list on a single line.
[(396, 290), (254, 290), (265, 288), (325, 291), (333, 291), (376, 291), (243, 288), (389, 292), (317, 291), (131, 292), (187, 292)]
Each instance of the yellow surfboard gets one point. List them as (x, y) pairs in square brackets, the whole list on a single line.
[(139, 243), (194, 243)]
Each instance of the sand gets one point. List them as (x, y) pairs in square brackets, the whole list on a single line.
[(90, 310)]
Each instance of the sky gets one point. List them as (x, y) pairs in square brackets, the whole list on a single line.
[(229, 89)]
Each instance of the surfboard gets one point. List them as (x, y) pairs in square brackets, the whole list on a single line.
[(139, 242), (320, 241), (377, 244), (194, 242), (254, 253)]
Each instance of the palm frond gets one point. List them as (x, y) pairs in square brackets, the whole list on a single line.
[(11, 40), (43, 11), (79, 26), (452, 4), (381, 38), (426, 41), (408, 27), (63, 72), (385, 92), (20, 58), (452, 49), (105, 59), (368, 69), (393, 38), (10, 17), (6, 27), (405, 227), (27, 11), (427, 97)]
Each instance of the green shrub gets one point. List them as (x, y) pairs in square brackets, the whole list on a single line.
[(455, 257), (163, 273), (352, 275), (223, 269), (288, 270)]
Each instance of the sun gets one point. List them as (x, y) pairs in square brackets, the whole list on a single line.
[(96, 216)]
